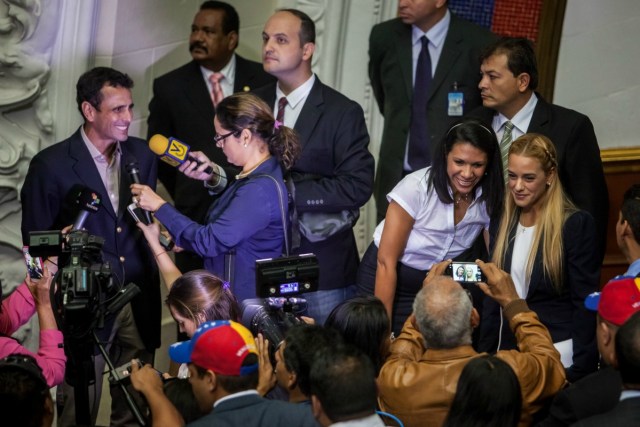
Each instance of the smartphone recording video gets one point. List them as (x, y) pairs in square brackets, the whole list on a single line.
[(34, 264), (467, 272)]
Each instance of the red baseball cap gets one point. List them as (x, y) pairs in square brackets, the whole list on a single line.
[(220, 346), (619, 299)]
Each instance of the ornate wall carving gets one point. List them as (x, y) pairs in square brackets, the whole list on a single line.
[(28, 29)]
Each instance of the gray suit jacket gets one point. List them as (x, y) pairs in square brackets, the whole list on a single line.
[(390, 71)]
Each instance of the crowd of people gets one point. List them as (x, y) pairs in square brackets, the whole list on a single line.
[(477, 302)]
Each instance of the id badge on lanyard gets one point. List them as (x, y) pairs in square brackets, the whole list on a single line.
[(456, 102)]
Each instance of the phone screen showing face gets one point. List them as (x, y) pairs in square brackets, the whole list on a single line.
[(34, 264), (465, 272)]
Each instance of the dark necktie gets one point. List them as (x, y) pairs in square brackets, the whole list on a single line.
[(419, 151), (282, 103)]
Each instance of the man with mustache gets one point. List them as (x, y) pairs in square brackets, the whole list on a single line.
[(183, 104)]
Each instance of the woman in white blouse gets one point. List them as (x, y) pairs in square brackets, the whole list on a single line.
[(434, 214)]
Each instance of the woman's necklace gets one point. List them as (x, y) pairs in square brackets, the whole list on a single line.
[(522, 229), (460, 198), (245, 174)]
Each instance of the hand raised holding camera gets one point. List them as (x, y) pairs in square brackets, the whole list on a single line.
[(499, 284)]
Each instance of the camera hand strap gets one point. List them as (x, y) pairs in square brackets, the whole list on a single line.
[(282, 214)]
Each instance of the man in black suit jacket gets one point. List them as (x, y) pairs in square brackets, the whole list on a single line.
[(333, 177), (509, 78), (455, 46), (182, 104), (627, 411), (96, 156)]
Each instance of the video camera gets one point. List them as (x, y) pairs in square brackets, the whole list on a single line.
[(278, 282), (86, 293)]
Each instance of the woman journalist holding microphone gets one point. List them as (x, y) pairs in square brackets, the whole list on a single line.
[(246, 222)]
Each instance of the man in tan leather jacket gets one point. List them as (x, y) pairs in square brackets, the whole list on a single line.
[(418, 384)]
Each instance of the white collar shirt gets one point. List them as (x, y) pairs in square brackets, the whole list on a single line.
[(520, 120), (109, 170), (436, 36), (229, 73), (434, 236), (295, 101)]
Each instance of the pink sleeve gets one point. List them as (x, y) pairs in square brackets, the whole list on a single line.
[(17, 309), (50, 356)]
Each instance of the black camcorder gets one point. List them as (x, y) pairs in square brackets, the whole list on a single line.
[(278, 283), (287, 276)]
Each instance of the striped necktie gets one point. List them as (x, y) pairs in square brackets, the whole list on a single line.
[(505, 144)]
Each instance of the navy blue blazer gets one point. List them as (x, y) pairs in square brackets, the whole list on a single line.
[(246, 219), (391, 75), (253, 410), (51, 175), (181, 107), (579, 164), (334, 172), (564, 313)]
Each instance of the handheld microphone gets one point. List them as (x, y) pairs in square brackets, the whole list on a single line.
[(173, 151), (88, 201), (134, 173)]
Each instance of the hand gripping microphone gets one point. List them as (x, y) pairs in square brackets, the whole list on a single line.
[(173, 151), (134, 173), (88, 201)]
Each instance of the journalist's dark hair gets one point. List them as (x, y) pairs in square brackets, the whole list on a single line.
[(631, 209), (521, 57), (23, 391), (307, 26), (482, 137), (236, 383), (202, 296), (246, 111), (343, 379), (90, 84), (488, 394), (628, 351), (230, 21), (180, 394), (302, 343), (363, 322)]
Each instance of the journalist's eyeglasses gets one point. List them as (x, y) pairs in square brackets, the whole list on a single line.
[(219, 139)]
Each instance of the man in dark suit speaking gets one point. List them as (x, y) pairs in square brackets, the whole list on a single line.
[(420, 92), (96, 156), (333, 177), (509, 79), (184, 99)]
